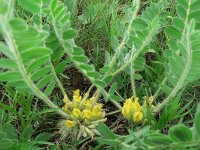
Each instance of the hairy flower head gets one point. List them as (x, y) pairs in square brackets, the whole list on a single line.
[(84, 114)]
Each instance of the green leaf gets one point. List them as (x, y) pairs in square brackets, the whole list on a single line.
[(53, 4), (50, 88), (108, 79), (86, 67), (4, 49), (18, 24), (181, 12), (77, 51), (109, 142), (195, 15), (173, 32), (81, 59), (30, 5), (178, 23), (18, 83), (180, 133), (9, 76), (60, 67), (7, 63), (6, 144), (43, 137), (3, 8), (100, 83), (113, 88), (116, 98), (35, 53), (44, 81), (197, 121), (105, 69), (41, 73), (157, 139), (35, 64), (27, 133), (139, 24), (93, 74), (105, 131), (137, 76), (69, 34)]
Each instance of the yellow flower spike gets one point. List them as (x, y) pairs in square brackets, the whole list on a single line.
[(69, 123), (86, 114), (76, 96), (137, 116), (76, 113)]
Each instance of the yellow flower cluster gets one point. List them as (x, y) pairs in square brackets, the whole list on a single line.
[(132, 110), (82, 111)]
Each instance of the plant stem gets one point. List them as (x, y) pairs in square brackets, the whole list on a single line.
[(113, 112), (133, 80)]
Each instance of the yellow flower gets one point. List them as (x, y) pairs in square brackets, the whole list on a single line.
[(76, 113), (137, 116), (99, 106), (69, 123), (96, 112), (76, 96), (129, 107), (132, 110), (86, 114), (137, 106), (87, 104), (77, 92)]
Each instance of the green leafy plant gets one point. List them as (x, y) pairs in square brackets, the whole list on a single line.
[(179, 136), (11, 141)]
